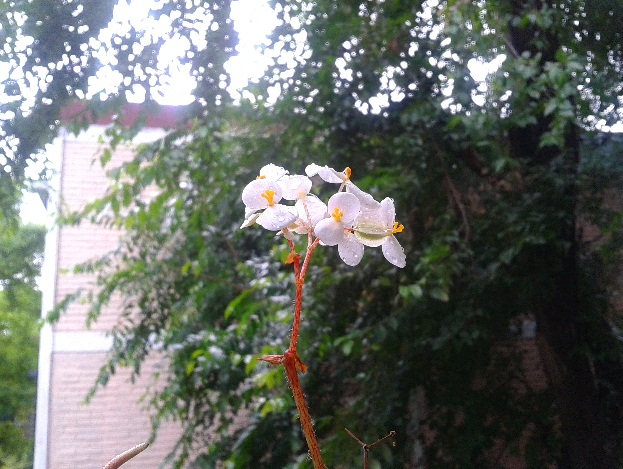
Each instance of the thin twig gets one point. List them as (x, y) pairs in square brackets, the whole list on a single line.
[(366, 448), (389, 435), (510, 46), (124, 457), (455, 194)]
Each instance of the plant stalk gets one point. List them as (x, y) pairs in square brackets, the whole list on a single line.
[(290, 362)]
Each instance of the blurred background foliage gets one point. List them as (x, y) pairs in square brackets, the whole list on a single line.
[(508, 186), (21, 251)]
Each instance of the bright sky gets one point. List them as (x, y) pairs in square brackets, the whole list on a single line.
[(253, 20), (32, 210)]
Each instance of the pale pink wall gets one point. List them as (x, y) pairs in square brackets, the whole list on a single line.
[(86, 436), (82, 181), (81, 436)]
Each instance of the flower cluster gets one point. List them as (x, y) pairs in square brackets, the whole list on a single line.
[(350, 220)]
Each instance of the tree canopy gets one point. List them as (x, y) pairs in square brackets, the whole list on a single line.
[(508, 186)]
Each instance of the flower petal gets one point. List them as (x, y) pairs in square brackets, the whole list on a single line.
[(295, 187), (272, 172), (347, 203), (252, 193), (312, 169), (370, 229), (388, 212), (316, 209), (250, 217), (330, 231), (366, 200), (350, 250), (276, 217), (393, 252), (326, 174)]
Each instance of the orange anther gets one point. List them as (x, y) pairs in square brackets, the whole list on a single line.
[(268, 195), (337, 214)]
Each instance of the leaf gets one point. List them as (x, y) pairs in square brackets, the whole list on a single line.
[(347, 347), (439, 294), (105, 156), (414, 290), (236, 303)]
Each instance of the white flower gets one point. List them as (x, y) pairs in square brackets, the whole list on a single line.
[(366, 200), (375, 228), (336, 177), (328, 174), (343, 208), (351, 220), (272, 172), (295, 187), (263, 194), (310, 211), (350, 249), (250, 216)]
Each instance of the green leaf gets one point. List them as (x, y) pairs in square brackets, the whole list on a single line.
[(414, 290), (439, 294)]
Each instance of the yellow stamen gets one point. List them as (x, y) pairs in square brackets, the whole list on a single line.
[(337, 214), (397, 228), (347, 172), (261, 177), (268, 195)]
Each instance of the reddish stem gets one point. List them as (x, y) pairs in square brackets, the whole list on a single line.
[(296, 320), (310, 250), (299, 276), (291, 362), (296, 259)]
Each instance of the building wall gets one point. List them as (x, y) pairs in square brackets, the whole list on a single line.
[(70, 433)]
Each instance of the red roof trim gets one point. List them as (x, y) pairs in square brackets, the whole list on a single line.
[(166, 117)]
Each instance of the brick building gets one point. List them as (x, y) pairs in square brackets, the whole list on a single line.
[(70, 433)]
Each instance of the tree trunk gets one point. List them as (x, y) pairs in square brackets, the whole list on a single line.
[(562, 340)]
